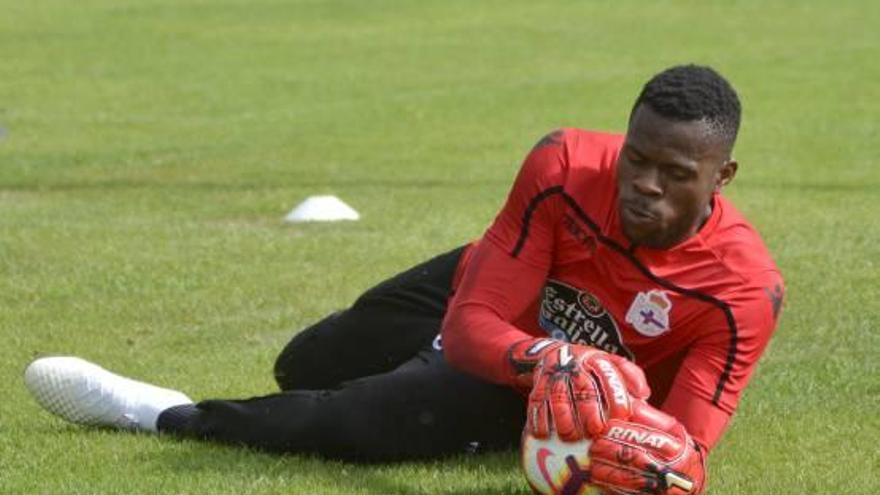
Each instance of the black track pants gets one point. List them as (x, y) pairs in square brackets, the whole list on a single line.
[(369, 384)]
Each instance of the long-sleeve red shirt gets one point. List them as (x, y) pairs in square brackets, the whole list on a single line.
[(696, 317)]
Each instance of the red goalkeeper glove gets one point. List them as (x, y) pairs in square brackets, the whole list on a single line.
[(576, 388), (524, 357), (651, 453)]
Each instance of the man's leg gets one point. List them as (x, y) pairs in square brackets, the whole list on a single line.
[(422, 409), (385, 327), (349, 405)]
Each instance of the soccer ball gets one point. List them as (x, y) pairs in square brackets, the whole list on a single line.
[(554, 467)]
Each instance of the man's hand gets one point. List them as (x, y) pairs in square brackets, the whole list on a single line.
[(651, 453), (524, 357), (576, 388)]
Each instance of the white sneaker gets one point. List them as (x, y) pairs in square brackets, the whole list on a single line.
[(85, 393)]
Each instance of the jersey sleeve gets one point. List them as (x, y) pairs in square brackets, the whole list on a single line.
[(717, 368), (525, 226), (507, 268)]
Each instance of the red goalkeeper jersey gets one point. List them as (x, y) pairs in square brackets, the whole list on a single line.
[(696, 317)]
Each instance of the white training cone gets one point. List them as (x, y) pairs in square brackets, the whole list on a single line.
[(322, 209)]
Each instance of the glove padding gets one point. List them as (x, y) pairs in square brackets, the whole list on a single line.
[(524, 357), (651, 453), (578, 389)]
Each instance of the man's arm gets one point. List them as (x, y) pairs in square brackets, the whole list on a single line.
[(664, 451), (576, 388), (508, 267), (715, 371), (580, 388), (477, 332)]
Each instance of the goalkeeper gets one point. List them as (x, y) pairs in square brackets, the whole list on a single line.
[(610, 250)]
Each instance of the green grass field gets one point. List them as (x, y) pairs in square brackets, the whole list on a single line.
[(149, 150)]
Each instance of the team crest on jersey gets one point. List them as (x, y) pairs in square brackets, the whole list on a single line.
[(649, 313), (577, 316)]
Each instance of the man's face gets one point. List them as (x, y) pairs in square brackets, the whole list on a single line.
[(666, 175)]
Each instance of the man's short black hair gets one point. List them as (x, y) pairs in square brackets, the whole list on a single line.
[(693, 92)]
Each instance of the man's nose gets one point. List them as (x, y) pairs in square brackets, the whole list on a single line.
[(647, 182)]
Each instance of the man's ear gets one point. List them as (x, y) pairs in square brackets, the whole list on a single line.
[(725, 174)]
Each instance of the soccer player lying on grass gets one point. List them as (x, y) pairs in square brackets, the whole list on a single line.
[(611, 250)]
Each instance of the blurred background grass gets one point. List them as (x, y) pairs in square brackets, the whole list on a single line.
[(150, 149)]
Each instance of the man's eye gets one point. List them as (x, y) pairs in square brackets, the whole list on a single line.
[(679, 175)]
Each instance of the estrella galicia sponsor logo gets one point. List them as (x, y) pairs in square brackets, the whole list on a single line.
[(577, 316)]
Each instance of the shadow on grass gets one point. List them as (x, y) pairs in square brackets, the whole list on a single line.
[(100, 460), (488, 474)]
